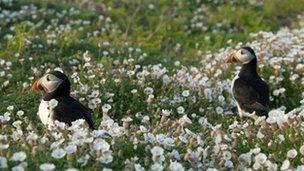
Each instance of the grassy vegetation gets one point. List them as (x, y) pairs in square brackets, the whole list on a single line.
[(119, 35), (166, 30)]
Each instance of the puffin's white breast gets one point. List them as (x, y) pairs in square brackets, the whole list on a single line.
[(241, 112), (232, 85), (45, 112)]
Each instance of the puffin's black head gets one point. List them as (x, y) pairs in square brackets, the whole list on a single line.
[(54, 84), (243, 56)]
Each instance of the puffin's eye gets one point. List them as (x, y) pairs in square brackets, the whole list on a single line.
[(242, 52), (48, 78)]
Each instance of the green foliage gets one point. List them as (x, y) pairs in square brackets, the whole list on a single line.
[(18, 42), (282, 10), (164, 30)]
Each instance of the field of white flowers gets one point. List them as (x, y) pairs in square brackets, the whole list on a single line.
[(154, 76)]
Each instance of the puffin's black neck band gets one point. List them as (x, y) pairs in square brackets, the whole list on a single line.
[(249, 71)]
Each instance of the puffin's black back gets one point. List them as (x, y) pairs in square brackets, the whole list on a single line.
[(252, 97), (69, 110)]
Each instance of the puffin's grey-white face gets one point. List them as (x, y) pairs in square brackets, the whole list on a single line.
[(49, 83), (243, 56)]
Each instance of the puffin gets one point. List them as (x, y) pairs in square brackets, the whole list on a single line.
[(57, 104), (249, 91)]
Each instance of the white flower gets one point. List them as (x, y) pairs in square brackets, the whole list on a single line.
[(150, 98), (221, 99), (184, 120), (143, 129), (176, 166), (133, 91), (157, 167), (256, 150), (94, 94), (177, 63), (3, 162), (271, 166), (5, 83), (138, 167), (4, 146), (208, 94), (145, 119), (157, 151), (168, 142), (83, 159), (212, 169), (279, 91), (53, 103), (292, 153), (166, 112), (256, 166), (282, 138), (18, 168), (44, 140), (219, 110), (101, 144), (106, 169), (19, 156), (127, 119), (76, 124), (86, 56), (106, 158), (151, 6), (47, 167), (60, 125), (5, 118), (148, 90), (17, 124), (260, 158), (58, 153), (10, 108), (57, 143), (246, 158), (277, 116), (32, 137), (106, 108), (149, 137), (300, 168), (166, 79), (302, 149), (20, 113), (71, 169), (228, 164), (185, 93), (157, 154), (183, 139), (93, 103), (180, 110), (70, 149), (285, 165), (260, 135), (105, 53), (174, 154)]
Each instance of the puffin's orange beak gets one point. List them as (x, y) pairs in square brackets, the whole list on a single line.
[(36, 85), (230, 58)]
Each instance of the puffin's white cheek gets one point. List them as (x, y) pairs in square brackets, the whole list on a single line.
[(51, 86), (244, 59)]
